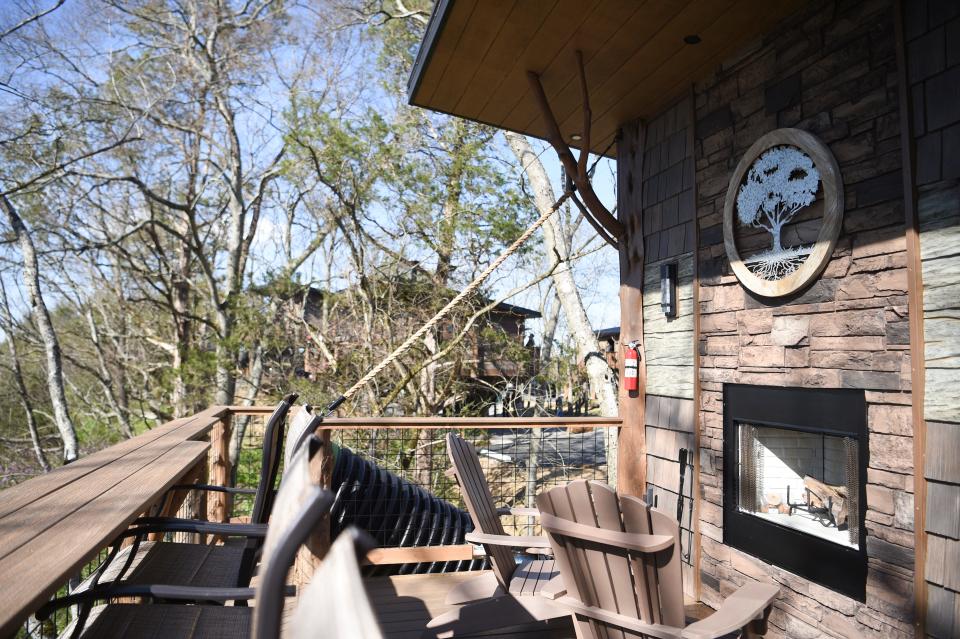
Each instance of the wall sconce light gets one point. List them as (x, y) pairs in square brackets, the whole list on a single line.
[(668, 289)]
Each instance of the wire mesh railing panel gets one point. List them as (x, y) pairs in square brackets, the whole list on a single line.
[(60, 620), (392, 482), (249, 431)]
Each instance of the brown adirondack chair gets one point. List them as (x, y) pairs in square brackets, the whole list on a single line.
[(508, 594), (620, 564)]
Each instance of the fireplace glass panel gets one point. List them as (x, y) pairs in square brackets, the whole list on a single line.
[(803, 480)]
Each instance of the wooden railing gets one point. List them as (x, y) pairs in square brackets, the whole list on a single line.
[(54, 525)]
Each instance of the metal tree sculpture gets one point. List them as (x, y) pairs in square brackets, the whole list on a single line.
[(780, 182)]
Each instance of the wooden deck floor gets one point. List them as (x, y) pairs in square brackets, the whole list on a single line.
[(405, 603)]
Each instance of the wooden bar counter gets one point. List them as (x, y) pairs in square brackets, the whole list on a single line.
[(54, 524)]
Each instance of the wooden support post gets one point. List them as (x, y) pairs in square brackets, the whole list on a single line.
[(915, 315), (632, 450), (218, 504), (318, 544)]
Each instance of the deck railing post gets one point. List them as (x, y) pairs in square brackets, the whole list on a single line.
[(317, 546), (218, 504)]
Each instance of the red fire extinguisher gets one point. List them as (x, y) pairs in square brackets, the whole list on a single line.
[(631, 366)]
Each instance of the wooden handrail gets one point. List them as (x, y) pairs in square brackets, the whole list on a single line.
[(446, 422)]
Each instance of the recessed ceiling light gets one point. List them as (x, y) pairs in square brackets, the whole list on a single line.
[(692, 39), (576, 137)]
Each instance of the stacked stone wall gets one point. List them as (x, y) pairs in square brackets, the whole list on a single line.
[(831, 70)]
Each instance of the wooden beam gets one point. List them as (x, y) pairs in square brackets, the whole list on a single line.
[(445, 422), (915, 322), (413, 423), (250, 410), (576, 169), (388, 556), (632, 449), (697, 549)]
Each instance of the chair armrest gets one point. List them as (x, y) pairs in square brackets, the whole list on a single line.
[(154, 591), (513, 541), (519, 512), (212, 487), (739, 609), (633, 624), (554, 589), (612, 538), (146, 525)]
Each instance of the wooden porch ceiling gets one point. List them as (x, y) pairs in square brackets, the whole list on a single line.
[(475, 55)]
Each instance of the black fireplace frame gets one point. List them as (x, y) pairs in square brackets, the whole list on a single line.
[(838, 412)]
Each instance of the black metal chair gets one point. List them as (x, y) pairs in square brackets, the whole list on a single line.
[(201, 565), (300, 505)]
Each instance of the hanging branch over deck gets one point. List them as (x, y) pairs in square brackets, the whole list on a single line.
[(593, 209)]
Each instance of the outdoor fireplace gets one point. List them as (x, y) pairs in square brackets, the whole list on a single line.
[(794, 490)]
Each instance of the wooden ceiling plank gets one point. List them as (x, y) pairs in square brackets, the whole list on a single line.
[(654, 52), (482, 28), (607, 65), (722, 38), (551, 43), (441, 57), (524, 23)]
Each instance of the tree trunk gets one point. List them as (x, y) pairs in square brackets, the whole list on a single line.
[(21, 385), (240, 424), (31, 277), (181, 324), (106, 379), (550, 320), (599, 375), (588, 347)]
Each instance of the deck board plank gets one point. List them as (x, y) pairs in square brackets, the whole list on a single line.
[(405, 603), (16, 497), (46, 511)]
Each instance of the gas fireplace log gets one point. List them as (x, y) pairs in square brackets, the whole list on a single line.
[(835, 496)]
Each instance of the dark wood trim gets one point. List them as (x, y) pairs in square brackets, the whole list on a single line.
[(632, 445), (915, 321), (695, 488), (437, 19), (412, 423)]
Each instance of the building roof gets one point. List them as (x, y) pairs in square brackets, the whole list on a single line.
[(475, 56), (510, 309), (502, 307), (607, 333)]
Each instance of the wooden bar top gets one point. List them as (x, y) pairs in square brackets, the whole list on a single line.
[(54, 524)]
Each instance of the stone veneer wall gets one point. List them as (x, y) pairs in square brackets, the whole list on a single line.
[(830, 70)]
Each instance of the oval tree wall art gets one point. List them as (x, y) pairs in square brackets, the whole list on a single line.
[(778, 178)]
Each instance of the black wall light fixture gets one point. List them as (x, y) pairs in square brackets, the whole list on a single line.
[(668, 289)]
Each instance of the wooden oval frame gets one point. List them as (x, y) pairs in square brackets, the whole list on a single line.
[(832, 183)]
